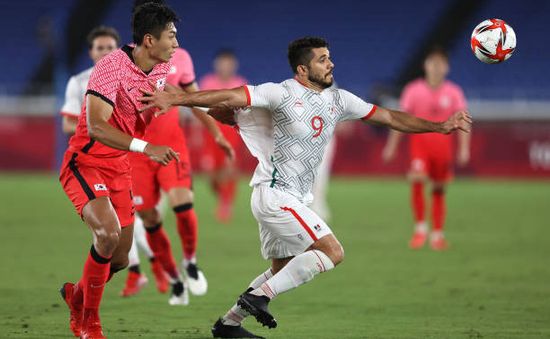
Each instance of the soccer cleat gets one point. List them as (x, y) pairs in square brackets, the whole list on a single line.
[(91, 325), (180, 295), (219, 330), (195, 279), (224, 212), (418, 240), (134, 283), (439, 244), (160, 276), (75, 319), (257, 306)]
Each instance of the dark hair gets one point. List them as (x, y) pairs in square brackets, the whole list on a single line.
[(102, 31), (436, 50), (151, 18), (225, 52), (299, 51), (138, 3)]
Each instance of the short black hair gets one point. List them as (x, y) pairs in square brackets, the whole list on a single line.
[(225, 52), (300, 51), (138, 3), (436, 50), (151, 18), (100, 31)]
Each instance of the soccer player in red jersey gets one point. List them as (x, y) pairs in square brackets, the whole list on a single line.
[(223, 173), (149, 178), (95, 172), (433, 98)]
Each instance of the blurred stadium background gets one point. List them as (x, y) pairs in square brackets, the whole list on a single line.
[(492, 283)]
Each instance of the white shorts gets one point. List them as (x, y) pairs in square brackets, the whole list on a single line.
[(287, 227)]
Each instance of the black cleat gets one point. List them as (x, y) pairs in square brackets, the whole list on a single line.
[(219, 330), (257, 306)]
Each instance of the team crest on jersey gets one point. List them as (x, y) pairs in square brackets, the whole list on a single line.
[(161, 83), (138, 200), (317, 227), (100, 187)]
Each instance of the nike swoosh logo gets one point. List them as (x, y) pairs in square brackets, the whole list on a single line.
[(96, 286), (131, 88)]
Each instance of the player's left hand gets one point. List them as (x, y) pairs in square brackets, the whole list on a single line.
[(226, 147), (160, 99), (459, 121)]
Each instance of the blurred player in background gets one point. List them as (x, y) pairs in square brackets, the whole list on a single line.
[(149, 179), (95, 173), (287, 130), (223, 173), (101, 41), (433, 98)]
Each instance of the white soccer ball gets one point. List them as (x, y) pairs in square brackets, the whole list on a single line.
[(493, 41)]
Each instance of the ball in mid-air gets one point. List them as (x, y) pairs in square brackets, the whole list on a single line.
[(493, 41)]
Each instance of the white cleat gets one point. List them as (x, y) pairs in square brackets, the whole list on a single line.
[(195, 280), (180, 295)]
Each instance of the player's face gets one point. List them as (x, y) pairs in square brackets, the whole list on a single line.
[(225, 66), (320, 68), (163, 48), (436, 67), (101, 46)]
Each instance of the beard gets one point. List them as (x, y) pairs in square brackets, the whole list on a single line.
[(320, 80)]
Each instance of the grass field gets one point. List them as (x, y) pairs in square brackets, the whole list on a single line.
[(494, 282)]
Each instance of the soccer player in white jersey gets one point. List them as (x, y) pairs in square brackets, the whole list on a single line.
[(287, 129), (103, 40)]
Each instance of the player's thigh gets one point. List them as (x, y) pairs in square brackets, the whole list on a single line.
[(441, 170), (418, 169), (121, 199), (145, 187), (175, 179), (287, 227)]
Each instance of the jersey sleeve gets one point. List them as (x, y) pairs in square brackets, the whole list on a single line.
[(355, 107), (104, 81), (187, 76), (73, 100), (406, 100), (268, 95)]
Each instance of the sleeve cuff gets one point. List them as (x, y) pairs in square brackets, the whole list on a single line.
[(248, 99), (373, 109), (101, 96)]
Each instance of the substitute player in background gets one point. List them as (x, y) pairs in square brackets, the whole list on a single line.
[(149, 178), (434, 98), (101, 41), (95, 173), (223, 173), (287, 130)]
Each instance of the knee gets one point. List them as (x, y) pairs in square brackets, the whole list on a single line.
[(336, 255), (107, 240), (438, 189), (150, 217)]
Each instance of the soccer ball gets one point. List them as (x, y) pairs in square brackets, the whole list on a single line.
[(493, 41)]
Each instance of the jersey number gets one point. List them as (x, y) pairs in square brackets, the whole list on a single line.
[(317, 124)]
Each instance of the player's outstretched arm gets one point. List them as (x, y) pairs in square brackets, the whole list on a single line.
[(98, 114), (163, 100), (408, 123)]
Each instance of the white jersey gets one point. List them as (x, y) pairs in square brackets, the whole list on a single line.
[(75, 92), (288, 128)]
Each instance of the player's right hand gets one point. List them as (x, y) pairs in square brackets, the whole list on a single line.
[(161, 154)]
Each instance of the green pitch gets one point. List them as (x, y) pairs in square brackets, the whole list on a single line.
[(494, 282)]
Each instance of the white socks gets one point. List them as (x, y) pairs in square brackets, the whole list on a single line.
[(421, 227), (236, 314), (298, 271), (140, 238)]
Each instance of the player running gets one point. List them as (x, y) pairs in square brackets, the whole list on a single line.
[(433, 98), (149, 178), (223, 174), (95, 173), (287, 130)]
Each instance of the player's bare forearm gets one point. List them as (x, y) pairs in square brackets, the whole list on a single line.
[(222, 98), (69, 124), (98, 114), (207, 122), (407, 123)]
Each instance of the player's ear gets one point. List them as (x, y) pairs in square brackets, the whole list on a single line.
[(148, 40), (302, 69)]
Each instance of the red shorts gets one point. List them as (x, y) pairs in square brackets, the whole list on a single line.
[(438, 166), (85, 178), (149, 177), (214, 157)]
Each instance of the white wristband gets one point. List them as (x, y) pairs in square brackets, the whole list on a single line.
[(138, 145)]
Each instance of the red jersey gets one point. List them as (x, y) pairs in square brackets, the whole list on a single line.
[(116, 79), (163, 129), (435, 104)]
